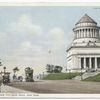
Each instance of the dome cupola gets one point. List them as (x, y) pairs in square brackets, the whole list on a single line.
[(86, 19), (86, 29)]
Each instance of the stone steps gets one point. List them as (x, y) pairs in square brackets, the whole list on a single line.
[(86, 75)]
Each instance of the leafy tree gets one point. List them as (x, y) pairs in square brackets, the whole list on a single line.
[(16, 69), (58, 69), (50, 68)]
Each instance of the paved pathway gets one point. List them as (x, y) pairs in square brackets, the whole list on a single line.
[(52, 86), (9, 89), (59, 86)]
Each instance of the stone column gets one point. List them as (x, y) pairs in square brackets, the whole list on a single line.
[(90, 63), (84, 63), (97, 34), (95, 62), (88, 32), (82, 32), (76, 34), (94, 33), (79, 63), (79, 33), (91, 31), (85, 33)]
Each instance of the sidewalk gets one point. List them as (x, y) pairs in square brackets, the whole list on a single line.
[(9, 89)]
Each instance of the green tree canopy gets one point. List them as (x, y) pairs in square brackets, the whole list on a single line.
[(51, 68)]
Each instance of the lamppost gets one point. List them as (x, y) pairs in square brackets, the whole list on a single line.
[(4, 69), (81, 74)]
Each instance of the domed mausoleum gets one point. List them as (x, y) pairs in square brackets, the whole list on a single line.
[(84, 52)]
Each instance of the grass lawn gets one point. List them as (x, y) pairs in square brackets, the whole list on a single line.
[(61, 76), (95, 78)]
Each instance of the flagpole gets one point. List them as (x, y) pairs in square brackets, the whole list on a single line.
[(50, 56)]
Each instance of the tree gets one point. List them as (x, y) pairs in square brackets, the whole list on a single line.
[(16, 69), (58, 69), (50, 68)]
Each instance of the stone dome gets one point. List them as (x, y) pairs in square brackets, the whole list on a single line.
[(86, 30), (86, 19)]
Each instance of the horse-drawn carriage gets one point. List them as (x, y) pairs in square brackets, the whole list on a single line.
[(4, 77), (29, 74)]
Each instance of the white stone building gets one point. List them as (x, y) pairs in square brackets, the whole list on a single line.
[(84, 52)]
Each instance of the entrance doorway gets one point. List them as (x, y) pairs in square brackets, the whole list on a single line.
[(98, 62)]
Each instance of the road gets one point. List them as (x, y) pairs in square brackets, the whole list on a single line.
[(9, 89), (59, 86)]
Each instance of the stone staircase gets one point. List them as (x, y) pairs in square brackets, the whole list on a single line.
[(86, 75)]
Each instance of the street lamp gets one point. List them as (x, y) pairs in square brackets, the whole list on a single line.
[(4, 69), (81, 74)]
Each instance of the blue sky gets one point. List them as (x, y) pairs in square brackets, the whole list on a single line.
[(28, 33)]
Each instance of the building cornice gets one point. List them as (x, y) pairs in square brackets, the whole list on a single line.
[(95, 46), (92, 54), (83, 27)]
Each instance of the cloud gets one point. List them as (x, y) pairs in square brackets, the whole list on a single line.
[(57, 34), (18, 36), (27, 54), (28, 49), (26, 45), (25, 26), (21, 36), (56, 40), (29, 45)]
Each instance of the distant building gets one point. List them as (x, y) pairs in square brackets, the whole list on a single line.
[(84, 52)]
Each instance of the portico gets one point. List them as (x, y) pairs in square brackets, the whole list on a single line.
[(89, 62)]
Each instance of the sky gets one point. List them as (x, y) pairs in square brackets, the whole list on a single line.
[(28, 33)]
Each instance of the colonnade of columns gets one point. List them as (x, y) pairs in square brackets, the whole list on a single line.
[(89, 32), (89, 62)]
